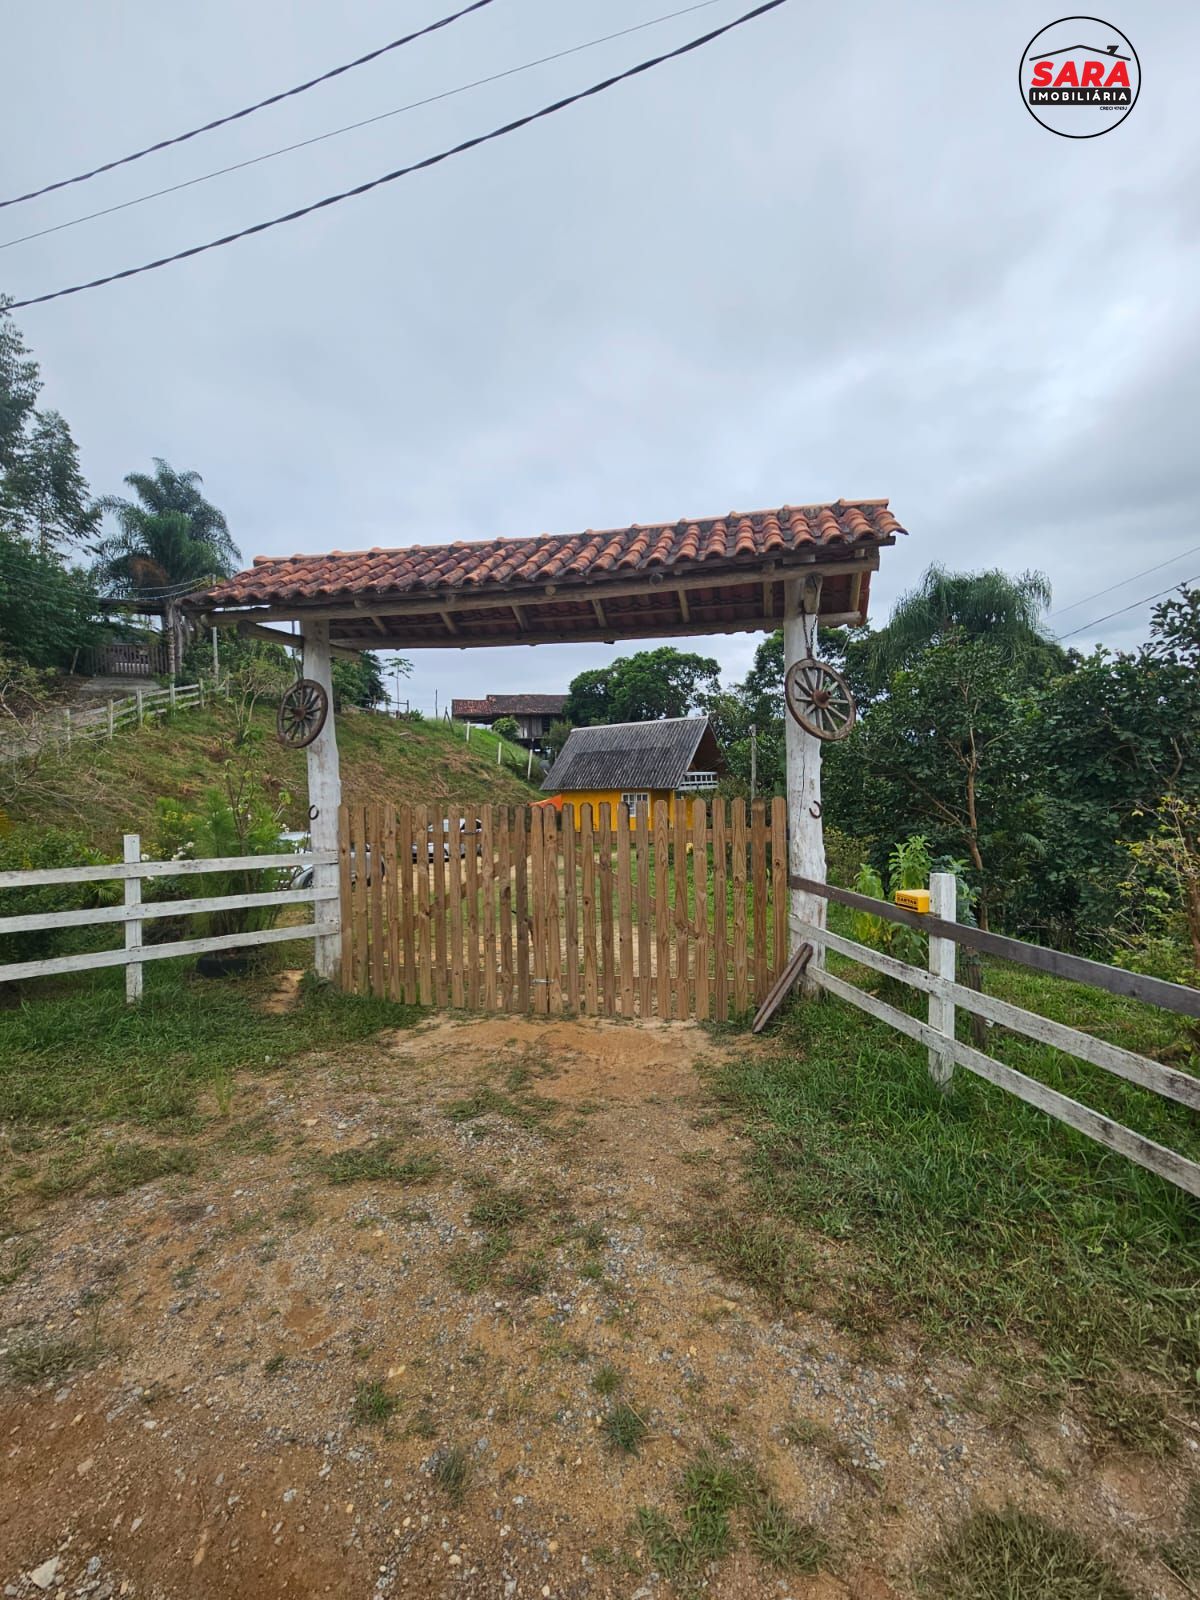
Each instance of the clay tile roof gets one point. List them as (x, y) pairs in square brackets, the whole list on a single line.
[(570, 561)]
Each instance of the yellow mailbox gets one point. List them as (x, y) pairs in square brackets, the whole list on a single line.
[(913, 899)]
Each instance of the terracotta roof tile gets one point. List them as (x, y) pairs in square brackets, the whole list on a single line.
[(570, 561)]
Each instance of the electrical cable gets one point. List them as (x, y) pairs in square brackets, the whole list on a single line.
[(235, 116), (1133, 577), (352, 127), (416, 166), (1182, 584)]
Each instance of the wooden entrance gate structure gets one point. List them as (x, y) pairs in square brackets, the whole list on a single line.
[(500, 908)]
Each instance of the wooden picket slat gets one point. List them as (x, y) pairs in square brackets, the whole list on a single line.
[(758, 857), (504, 869), (700, 882), (588, 895), (645, 935), (521, 921), (421, 908), (608, 974), (625, 910), (470, 861), (375, 894), (537, 897), (682, 921), (662, 909), (570, 911), (391, 898), (553, 935), (456, 982), (408, 943), (741, 984), (779, 884), (358, 866), (487, 912), (347, 900), (720, 914)]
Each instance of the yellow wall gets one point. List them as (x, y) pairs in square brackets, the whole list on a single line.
[(598, 797)]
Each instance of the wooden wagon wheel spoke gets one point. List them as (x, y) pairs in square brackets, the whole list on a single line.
[(819, 699), (302, 714)]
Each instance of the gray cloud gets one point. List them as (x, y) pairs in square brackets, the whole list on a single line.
[(830, 256)]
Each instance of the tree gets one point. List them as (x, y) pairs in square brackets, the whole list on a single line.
[(169, 536), (43, 493), (358, 682), (642, 688), (507, 728), (48, 611), (990, 605)]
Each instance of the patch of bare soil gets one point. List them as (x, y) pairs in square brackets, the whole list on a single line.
[(365, 1350)]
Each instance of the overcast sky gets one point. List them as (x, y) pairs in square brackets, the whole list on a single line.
[(830, 255)]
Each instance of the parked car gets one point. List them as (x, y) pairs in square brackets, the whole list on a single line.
[(302, 875), (464, 833)]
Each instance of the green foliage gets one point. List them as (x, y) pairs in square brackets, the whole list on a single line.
[(358, 682), (30, 849), (506, 728), (1014, 1555), (945, 606), (168, 534), (48, 611), (642, 688), (239, 820)]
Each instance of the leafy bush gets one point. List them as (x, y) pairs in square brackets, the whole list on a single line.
[(32, 849), (506, 728), (237, 821)]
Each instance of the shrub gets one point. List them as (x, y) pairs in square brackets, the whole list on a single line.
[(30, 848), (506, 728), (237, 821)]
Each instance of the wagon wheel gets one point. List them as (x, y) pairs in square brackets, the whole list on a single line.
[(819, 698), (302, 713)]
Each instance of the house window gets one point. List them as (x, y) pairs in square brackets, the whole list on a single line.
[(633, 801)]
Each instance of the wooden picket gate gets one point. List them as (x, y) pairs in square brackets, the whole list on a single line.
[(628, 916)]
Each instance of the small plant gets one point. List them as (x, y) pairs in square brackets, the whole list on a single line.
[(606, 1379), (471, 1268), (624, 1429), (450, 1471), (777, 1538), (1012, 1553), (375, 1163), (528, 1277), (498, 1208), (373, 1404), (38, 1358), (274, 1364)]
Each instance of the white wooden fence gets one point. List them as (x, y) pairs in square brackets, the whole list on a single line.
[(945, 994), (103, 721), (134, 912)]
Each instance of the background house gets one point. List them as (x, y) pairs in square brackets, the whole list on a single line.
[(637, 762), (533, 712)]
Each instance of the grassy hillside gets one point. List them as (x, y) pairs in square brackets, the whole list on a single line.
[(105, 790)]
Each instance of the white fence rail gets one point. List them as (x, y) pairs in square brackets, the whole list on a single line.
[(945, 995), (104, 721), (133, 912)]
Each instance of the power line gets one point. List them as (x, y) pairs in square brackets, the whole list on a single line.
[(366, 122), (416, 166), (234, 116), (1182, 584), (1131, 579)]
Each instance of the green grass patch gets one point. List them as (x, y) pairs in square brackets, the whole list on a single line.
[(1011, 1555), (473, 1267), (624, 1429), (606, 1379), (82, 1055), (451, 1471), (39, 1358), (988, 1224), (497, 1208), (378, 1163), (373, 1403)]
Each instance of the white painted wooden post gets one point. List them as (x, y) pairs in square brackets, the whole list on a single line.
[(325, 798), (67, 722), (943, 902), (138, 697), (172, 694), (806, 829), (110, 719), (216, 662), (529, 765), (133, 927), (499, 751)]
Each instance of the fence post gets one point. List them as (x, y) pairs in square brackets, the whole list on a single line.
[(110, 717), (943, 903), (172, 694), (499, 752), (67, 723), (133, 928), (529, 765), (138, 697)]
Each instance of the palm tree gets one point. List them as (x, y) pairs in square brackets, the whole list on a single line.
[(977, 605), (168, 540)]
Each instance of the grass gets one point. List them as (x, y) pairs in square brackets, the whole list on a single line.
[(451, 1471), (992, 1227), (624, 1429), (606, 1379), (377, 1163), (81, 1055), (39, 1359), (104, 789), (498, 1208), (1182, 1554), (373, 1403), (1011, 1555), (714, 1490)]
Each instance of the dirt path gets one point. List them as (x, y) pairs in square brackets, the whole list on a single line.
[(394, 1383)]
